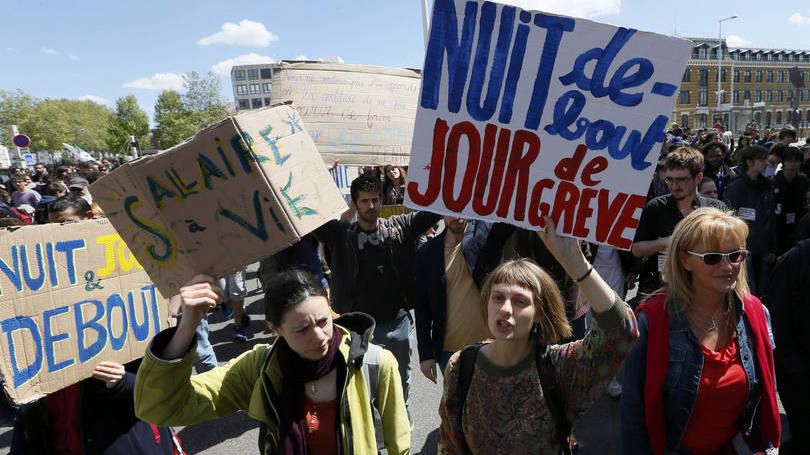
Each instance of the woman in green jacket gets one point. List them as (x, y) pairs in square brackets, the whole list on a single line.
[(307, 389)]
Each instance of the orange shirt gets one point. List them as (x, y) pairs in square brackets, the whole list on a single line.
[(321, 431), (719, 404)]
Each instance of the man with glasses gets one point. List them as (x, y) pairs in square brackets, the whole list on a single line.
[(684, 170)]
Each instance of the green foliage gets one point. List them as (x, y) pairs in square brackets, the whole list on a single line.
[(129, 120), (178, 117), (50, 122), (14, 108)]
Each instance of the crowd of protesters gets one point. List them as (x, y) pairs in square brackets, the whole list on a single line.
[(528, 329)]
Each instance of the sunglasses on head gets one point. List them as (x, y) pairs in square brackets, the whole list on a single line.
[(735, 257)]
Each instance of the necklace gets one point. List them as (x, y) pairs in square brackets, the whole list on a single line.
[(313, 422), (713, 327)]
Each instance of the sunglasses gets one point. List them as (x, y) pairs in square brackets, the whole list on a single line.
[(735, 257)]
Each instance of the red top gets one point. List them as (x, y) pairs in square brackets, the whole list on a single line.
[(720, 400), (65, 427), (320, 424)]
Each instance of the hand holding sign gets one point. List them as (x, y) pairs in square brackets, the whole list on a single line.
[(110, 373), (198, 295)]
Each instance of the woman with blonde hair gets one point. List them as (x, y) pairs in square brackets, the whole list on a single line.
[(700, 380), (521, 393)]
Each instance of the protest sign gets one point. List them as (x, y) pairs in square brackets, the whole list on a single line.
[(234, 194), (525, 114), (357, 114), (387, 211), (71, 296)]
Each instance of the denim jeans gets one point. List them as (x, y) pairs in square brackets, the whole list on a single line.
[(206, 358), (395, 335)]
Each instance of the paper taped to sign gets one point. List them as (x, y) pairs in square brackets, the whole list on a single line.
[(357, 114), (235, 193), (525, 114), (71, 296), (387, 211)]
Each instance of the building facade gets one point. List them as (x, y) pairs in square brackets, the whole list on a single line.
[(252, 85), (753, 86)]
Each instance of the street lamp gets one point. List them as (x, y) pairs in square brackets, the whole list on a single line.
[(720, 56)]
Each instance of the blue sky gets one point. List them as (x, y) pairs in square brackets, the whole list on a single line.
[(102, 50)]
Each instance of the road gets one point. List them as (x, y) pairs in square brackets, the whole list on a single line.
[(597, 432)]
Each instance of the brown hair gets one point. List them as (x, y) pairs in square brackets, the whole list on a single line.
[(546, 296), (685, 158), (707, 227)]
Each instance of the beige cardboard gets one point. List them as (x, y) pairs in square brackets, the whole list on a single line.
[(357, 114), (49, 272), (235, 193)]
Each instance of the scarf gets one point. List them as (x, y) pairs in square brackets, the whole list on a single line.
[(657, 364), (297, 371)]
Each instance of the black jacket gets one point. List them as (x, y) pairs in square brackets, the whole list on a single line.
[(789, 305), (482, 247), (790, 199), (400, 235), (757, 195)]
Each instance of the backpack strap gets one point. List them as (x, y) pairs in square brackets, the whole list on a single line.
[(553, 396), (466, 368), (371, 371)]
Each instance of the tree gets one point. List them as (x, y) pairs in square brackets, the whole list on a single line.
[(203, 100), (129, 120), (172, 121), (51, 122), (14, 108)]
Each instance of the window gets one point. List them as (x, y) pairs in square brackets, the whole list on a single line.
[(759, 59), (702, 53), (747, 56), (769, 57), (778, 117), (266, 87), (243, 104), (736, 75), (780, 57), (747, 76), (241, 89), (736, 97), (723, 74), (686, 75), (703, 76), (703, 96), (759, 76), (253, 74), (769, 96), (267, 73), (256, 102), (684, 97), (723, 96), (685, 120), (790, 59), (768, 118), (758, 96), (801, 95), (757, 117), (769, 76), (254, 89), (780, 76), (747, 96), (267, 101), (780, 96), (239, 75)]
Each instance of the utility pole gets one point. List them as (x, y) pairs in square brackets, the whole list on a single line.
[(720, 55)]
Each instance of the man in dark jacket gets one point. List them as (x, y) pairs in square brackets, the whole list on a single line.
[(716, 168), (789, 305), (451, 268), (790, 196), (751, 196), (372, 264)]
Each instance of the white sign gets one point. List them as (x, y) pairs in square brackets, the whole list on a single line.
[(525, 114), (5, 160)]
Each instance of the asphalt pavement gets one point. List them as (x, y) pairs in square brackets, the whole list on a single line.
[(597, 433)]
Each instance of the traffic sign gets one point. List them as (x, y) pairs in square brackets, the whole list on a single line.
[(21, 140)]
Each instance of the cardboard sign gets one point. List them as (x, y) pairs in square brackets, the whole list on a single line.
[(71, 296), (387, 211), (235, 193), (357, 114), (525, 114)]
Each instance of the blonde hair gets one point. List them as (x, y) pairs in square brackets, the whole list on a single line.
[(546, 297), (705, 227)]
